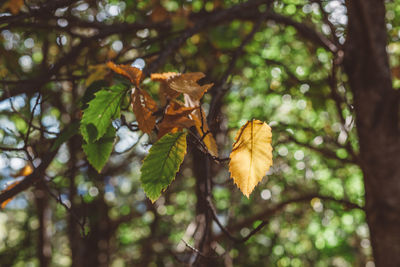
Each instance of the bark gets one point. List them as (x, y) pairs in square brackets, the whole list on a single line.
[(201, 168), (73, 229), (96, 251), (377, 119), (44, 216)]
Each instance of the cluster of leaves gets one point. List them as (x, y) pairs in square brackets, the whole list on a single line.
[(251, 154)]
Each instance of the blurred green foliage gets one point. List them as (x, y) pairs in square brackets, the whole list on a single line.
[(281, 78)]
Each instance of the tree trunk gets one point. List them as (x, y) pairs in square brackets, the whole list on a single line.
[(377, 119), (201, 169), (44, 216)]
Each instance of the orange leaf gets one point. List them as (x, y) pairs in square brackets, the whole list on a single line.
[(173, 125), (143, 106), (199, 118), (175, 108), (187, 83), (161, 77), (175, 119), (132, 73), (25, 171), (4, 203)]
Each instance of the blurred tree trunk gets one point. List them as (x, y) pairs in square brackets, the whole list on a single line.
[(73, 228), (201, 168), (377, 120), (44, 216), (97, 242)]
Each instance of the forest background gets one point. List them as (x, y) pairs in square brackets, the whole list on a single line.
[(323, 74)]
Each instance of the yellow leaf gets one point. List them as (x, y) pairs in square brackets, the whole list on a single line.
[(4, 203), (132, 73), (199, 118), (14, 6), (251, 155), (143, 106), (97, 72), (187, 83)]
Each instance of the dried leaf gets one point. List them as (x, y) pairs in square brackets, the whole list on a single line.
[(4, 203), (14, 6), (251, 155), (163, 77), (143, 106), (97, 72), (165, 92), (199, 118), (175, 119), (187, 83), (132, 73)]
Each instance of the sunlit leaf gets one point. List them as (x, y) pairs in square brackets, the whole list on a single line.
[(99, 151), (187, 83), (162, 163), (199, 118), (251, 155), (25, 171), (160, 77), (143, 106), (102, 109), (133, 74)]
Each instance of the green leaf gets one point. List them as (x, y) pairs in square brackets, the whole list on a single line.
[(99, 151), (102, 109), (69, 131), (162, 163)]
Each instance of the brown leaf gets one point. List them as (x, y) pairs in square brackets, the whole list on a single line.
[(4, 203), (159, 14), (143, 106), (187, 83), (175, 119), (165, 92), (132, 73), (14, 6), (173, 125), (396, 72)]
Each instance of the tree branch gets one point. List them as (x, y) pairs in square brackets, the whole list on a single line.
[(272, 211)]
